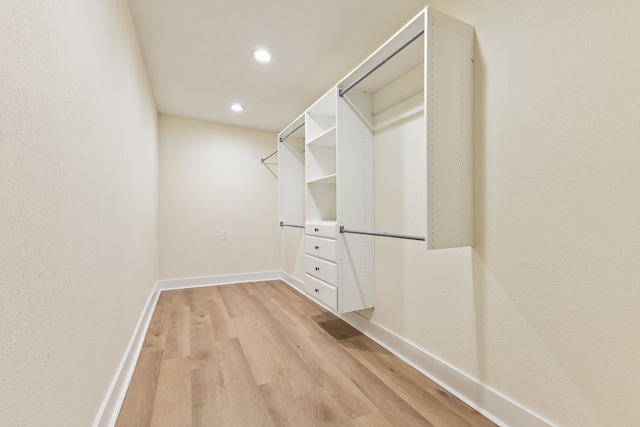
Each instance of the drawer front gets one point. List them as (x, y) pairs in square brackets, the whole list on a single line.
[(323, 270), (322, 291), (329, 230), (321, 248)]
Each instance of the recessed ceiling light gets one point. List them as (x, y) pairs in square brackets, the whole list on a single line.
[(237, 107), (261, 55)]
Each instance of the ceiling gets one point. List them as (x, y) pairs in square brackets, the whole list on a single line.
[(198, 53)]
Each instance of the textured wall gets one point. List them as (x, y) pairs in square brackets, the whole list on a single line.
[(211, 180), (78, 196), (545, 308)]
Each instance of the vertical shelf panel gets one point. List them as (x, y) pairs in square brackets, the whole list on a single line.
[(449, 109), (291, 175), (355, 200)]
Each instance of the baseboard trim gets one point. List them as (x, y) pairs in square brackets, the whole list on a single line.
[(110, 408), (227, 279), (493, 405), (294, 282)]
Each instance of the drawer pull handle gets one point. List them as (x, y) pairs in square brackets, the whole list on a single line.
[(317, 290), (316, 229), (317, 247), (317, 268)]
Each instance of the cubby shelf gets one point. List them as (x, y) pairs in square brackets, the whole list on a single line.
[(327, 180), (325, 139)]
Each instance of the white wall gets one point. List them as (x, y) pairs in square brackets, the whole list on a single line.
[(211, 180), (545, 308), (78, 216)]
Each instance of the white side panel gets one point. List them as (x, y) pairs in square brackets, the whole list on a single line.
[(355, 201), (449, 85), (291, 180)]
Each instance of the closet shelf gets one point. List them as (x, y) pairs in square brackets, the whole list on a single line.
[(325, 139), (328, 179)]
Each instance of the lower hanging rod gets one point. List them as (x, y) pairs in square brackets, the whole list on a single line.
[(373, 233), (282, 224), (342, 92)]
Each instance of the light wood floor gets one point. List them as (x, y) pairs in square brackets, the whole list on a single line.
[(261, 354)]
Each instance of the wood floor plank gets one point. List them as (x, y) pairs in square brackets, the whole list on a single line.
[(245, 404), (321, 409), (177, 342), (220, 320), (251, 334), (344, 391), (201, 340), (283, 410), (261, 334), (137, 408), (172, 405), (372, 419), (157, 331), (209, 399), (236, 299)]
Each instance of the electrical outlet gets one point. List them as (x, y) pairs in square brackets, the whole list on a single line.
[(225, 235)]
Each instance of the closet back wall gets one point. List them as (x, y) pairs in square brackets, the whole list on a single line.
[(211, 180)]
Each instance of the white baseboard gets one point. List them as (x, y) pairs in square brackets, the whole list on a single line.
[(493, 405), (294, 282), (110, 408), (227, 279)]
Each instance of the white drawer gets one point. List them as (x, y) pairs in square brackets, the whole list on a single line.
[(321, 248), (322, 229), (323, 270), (322, 291)]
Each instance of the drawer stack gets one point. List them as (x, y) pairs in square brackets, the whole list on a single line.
[(321, 248)]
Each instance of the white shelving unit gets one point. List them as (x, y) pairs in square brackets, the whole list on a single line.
[(429, 62)]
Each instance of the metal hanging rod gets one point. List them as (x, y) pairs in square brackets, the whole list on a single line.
[(282, 224), (373, 233), (265, 159), (290, 133), (342, 92)]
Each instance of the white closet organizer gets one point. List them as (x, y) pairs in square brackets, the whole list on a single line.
[(339, 156)]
